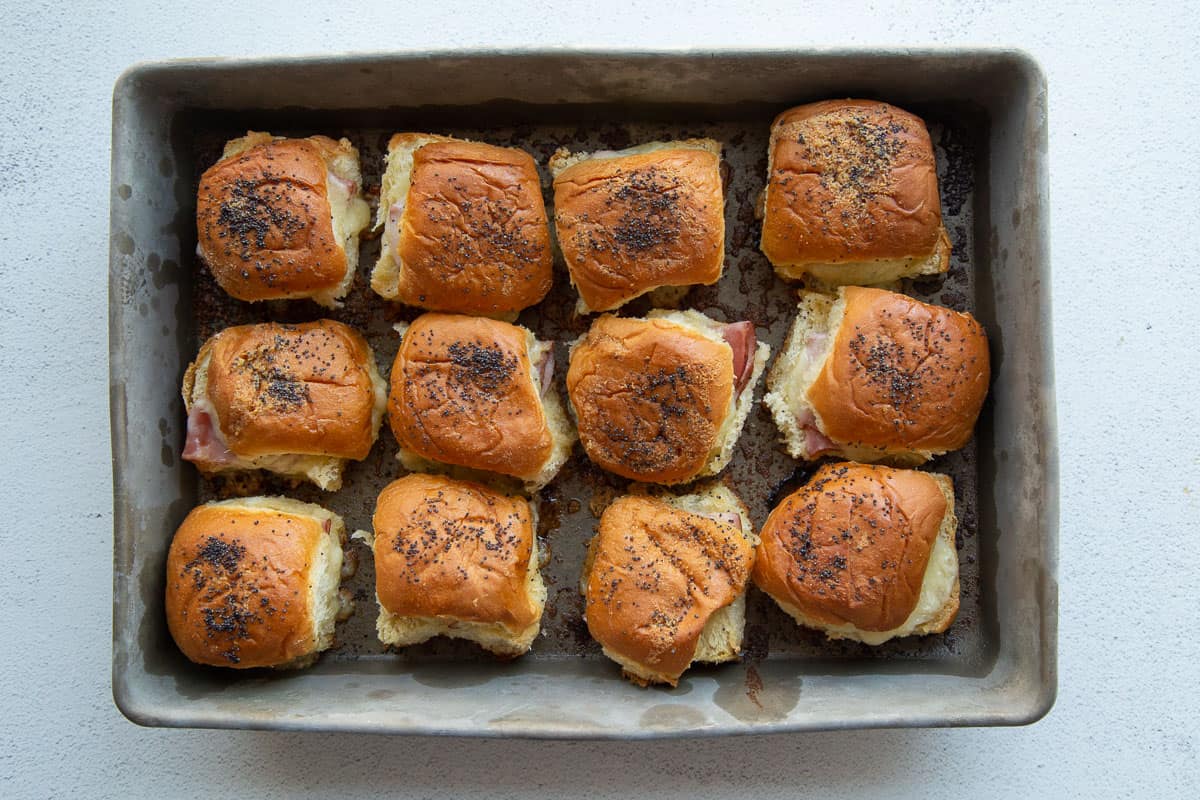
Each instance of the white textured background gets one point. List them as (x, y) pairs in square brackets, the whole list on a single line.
[(1124, 168)]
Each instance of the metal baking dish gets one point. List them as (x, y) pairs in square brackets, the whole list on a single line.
[(987, 114)]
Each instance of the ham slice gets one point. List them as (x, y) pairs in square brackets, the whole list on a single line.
[(391, 230), (814, 345), (740, 336), (815, 442), (545, 370), (349, 187), (205, 444)]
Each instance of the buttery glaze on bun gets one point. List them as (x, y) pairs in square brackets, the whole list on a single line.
[(279, 218), (465, 227), (297, 400), (864, 553), (457, 559), (254, 582), (663, 399), (852, 195), (878, 376), (665, 582), (477, 393), (635, 220)]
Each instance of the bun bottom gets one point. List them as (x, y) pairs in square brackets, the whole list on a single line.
[(324, 472), (873, 272), (397, 630), (938, 624)]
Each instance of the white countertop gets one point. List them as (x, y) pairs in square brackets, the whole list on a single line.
[(1124, 164)]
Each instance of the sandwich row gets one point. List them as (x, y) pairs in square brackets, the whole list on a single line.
[(867, 375), (851, 197), (860, 552)]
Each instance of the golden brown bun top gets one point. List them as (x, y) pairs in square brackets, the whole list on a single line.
[(902, 374), (264, 223), (450, 548), (292, 389), (630, 224), (650, 397), (852, 545), (237, 586), (462, 392), (656, 575), (851, 180), (474, 237)]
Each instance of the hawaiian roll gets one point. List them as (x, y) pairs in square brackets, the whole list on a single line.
[(635, 220), (852, 195), (254, 582), (864, 553), (477, 394), (455, 558), (464, 227), (664, 399), (296, 400), (872, 375), (665, 582), (280, 218)]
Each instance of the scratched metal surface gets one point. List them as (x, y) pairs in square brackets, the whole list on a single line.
[(761, 472)]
